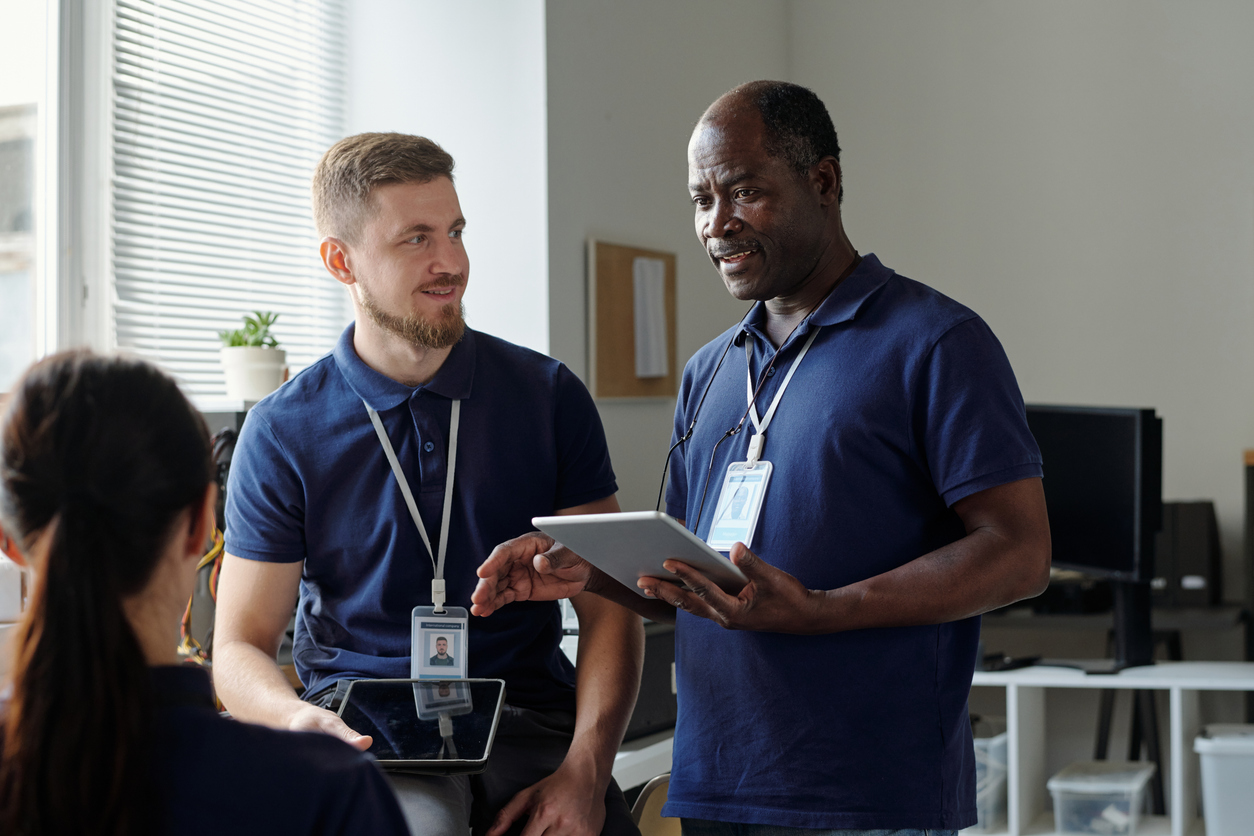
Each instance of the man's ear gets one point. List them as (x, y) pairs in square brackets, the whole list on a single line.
[(334, 254), (826, 176), (9, 546), (203, 520)]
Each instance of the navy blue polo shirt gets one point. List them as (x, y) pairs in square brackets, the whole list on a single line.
[(260, 780), (310, 482), (904, 405)]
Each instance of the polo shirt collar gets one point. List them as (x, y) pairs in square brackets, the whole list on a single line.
[(842, 305), (454, 380)]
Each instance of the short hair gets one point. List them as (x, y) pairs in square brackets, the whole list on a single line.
[(798, 128), (351, 169)]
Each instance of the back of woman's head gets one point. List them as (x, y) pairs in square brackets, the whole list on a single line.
[(100, 457)]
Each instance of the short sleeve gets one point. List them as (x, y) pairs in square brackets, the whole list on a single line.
[(969, 417), (584, 473), (265, 513)]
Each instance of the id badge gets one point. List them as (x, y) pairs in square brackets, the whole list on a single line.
[(739, 505), (438, 644)]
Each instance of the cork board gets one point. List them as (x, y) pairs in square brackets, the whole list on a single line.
[(614, 298)]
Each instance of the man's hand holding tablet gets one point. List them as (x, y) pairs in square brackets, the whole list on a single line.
[(535, 567), (631, 555)]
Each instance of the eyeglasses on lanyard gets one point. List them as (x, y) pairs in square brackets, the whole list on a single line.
[(762, 377)]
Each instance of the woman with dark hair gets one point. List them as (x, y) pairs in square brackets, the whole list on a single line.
[(106, 492)]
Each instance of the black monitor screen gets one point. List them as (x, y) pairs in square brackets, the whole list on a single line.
[(1103, 487)]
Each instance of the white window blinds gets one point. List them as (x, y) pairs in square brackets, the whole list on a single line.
[(221, 110)]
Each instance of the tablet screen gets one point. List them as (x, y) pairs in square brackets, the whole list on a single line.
[(431, 720)]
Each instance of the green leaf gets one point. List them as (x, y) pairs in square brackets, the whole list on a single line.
[(255, 333)]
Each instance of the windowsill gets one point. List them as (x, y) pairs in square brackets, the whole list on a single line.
[(217, 405)]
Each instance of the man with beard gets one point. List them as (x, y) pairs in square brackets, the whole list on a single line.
[(317, 518)]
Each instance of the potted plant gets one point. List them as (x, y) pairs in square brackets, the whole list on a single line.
[(251, 357)]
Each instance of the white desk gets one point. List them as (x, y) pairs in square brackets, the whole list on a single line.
[(1029, 805), (643, 758)]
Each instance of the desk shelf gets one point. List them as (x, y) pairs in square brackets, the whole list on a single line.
[(1028, 803), (1043, 825)]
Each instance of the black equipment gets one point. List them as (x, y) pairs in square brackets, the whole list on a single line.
[(1103, 488)]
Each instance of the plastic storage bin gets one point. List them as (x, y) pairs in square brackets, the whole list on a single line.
[(990, 783), (1103, 797), (1227, 753)]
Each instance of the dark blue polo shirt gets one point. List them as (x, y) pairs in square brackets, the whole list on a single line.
[(310, 482), (904, 405), (213, 775), (258, 780)]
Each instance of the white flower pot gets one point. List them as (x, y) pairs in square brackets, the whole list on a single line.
[(252, 373)]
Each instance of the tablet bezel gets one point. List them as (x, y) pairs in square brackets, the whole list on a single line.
[(446, 766), (654, 527)]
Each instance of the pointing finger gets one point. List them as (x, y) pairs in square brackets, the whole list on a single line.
[(512, 551)]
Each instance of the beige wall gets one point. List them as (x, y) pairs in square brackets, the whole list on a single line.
[(471, 77), (22, 69), (1082, 174), (626, 83)]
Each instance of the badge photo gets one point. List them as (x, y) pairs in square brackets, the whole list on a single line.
[(435, 698), (739, 505), (439, 646)]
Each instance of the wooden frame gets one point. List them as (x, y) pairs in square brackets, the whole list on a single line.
[(611, 324)]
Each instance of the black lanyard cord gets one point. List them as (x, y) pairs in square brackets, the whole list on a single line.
[(762, 377), (666, 465), (853, 264)]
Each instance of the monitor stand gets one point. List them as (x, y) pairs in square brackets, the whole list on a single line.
[(1134, 633)]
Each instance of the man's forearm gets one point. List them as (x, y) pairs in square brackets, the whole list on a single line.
[(971, 576), (1003, 558), (252, 687), (610, 658)]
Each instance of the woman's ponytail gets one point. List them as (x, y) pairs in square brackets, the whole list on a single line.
[(100, 456)]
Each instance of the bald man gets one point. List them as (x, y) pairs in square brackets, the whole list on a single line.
[(904, 500)]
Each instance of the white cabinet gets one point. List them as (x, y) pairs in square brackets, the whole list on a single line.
[(1029, 809)]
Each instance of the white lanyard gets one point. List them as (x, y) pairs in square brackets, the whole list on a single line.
[(759, 438), (437, 563)]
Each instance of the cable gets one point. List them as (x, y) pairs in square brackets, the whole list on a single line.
[(666, 465)]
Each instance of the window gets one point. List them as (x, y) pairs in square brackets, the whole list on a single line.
[(17, 240), (221, 109), (23, 64)]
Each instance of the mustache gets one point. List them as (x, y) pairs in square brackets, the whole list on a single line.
[(730, 248), (446, 280)]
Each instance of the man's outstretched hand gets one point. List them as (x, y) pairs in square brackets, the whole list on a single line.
[(532, 567)]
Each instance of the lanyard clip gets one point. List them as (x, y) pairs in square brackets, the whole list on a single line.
[(755, 449), (437, 593)]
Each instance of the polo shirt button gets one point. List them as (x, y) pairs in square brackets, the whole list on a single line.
[(770, 372), (428, 446)]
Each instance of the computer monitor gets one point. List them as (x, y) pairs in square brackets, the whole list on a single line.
[(1103, 487), (1103, 490)]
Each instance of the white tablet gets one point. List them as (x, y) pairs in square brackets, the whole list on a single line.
[(633, 545)]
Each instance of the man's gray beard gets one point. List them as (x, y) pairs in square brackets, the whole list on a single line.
[(415, 330)]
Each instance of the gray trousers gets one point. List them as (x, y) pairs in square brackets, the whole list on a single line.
[(529, 746)]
